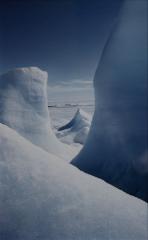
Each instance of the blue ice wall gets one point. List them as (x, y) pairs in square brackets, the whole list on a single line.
[(116, 149)]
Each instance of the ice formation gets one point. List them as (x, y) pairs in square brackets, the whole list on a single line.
[(24, 107), (116, 149), (43, 197), (77, 129)]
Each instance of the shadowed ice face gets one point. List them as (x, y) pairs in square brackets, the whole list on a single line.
[(121, 82)]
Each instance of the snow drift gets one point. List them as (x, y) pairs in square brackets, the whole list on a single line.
[(43, 197), (77, 129), (116, 149), (24, 107)]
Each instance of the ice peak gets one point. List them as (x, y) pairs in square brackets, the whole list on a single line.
[(81, 114), (80, 119), (77, 129)]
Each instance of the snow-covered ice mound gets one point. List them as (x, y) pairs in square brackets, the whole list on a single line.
[(80, 120), (117, 147), (43, 197), (77, 129), (24, 107)]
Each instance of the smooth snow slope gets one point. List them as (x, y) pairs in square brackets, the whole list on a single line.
[(24, 107), (77, 129), (117, 146), (42, 197)]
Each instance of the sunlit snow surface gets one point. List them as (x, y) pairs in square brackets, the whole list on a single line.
[(43, 197)]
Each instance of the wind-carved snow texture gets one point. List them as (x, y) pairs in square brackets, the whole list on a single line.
[(117, 150), (43, 197), (77, 129), (24, 107)]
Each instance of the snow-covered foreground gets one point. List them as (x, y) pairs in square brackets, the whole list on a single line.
[(43, 197)]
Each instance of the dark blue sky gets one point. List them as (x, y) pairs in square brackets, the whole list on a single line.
[(63, 37)]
